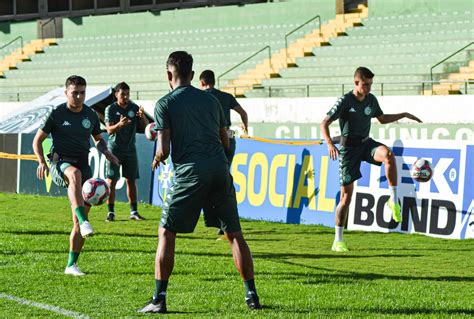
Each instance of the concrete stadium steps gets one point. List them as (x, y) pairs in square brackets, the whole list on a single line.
[(24, 53), (319, 37)]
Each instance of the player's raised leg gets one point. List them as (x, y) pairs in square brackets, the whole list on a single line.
[(385, 155)]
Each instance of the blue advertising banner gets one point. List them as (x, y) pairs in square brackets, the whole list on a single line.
[(276, 182), (294, 183)]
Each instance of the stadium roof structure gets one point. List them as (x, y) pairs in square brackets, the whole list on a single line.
[(28, 118)]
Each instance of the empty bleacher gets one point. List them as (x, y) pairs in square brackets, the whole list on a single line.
[(134, 47)]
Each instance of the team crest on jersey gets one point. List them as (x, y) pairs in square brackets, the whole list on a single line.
[(86, 123), (368, 110), (131, 114)]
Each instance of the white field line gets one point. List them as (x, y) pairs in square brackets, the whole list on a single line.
[(55, 309)]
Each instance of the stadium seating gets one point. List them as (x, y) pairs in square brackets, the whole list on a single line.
[(400, 49), (399, 44), (134, 47)]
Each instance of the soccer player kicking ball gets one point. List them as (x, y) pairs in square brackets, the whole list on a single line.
[(193, 124), (71, 124), (355, 111)]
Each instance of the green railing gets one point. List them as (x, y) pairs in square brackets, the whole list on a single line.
[(296, 29), (13, 41), (247, 59), (445, 59)]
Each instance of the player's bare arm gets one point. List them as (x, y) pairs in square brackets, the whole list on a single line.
[(244, 117), (115, 127), (332, 149), (42, 169), (141, 116), (224, 138), (389, 118), (102, 147), (163, 148)]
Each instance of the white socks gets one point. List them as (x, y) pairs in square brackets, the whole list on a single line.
[(338, 236), (393, 194)]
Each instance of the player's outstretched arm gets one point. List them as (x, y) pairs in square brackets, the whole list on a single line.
[(389, 118), (332, 149), (42, 169)]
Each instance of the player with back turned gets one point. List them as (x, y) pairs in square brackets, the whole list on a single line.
[(192, 123)]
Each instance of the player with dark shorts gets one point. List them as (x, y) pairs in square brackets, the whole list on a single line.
[(122, 119), (355, 111), (192, 123), (228, 102), (71, 124)]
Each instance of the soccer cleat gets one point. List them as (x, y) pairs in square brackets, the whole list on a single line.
[(73, 270), (86, 229), (155, 306), (253, 303), (396, 212), (136, 216), (110, 217), (223, 237), (339, 246)]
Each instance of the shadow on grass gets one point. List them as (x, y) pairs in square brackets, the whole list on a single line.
[(345, 275)]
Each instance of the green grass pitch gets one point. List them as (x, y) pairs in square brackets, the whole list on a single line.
[(297, 275)]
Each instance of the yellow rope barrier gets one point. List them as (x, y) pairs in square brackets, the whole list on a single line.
[(16, 156), (285, 142), (260, 139)]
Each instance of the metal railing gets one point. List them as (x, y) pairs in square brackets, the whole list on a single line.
[(13, 41), (302, 90), (46, 23), (296, 29), (444, 60), (247, 59)]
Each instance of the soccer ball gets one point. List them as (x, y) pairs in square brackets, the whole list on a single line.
[(421, 170), (150, 133), (95, 191)]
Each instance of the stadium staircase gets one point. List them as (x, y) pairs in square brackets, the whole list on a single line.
[(23, 54), (134, 47), (304, 46), (399, 48), (456, 82)]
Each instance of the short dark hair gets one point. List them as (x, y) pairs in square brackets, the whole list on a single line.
[(363, 73), (182, 61), (122, 86), (207, 76), (75, 80)]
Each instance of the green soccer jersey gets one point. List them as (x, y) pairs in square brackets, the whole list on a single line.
[(194, 118), (354, 115), (71, 131), (124, 139), (227, 102)]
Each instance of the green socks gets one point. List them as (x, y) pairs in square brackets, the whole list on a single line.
[(73, 257), (250, 290), (81, 214), (160, 289)]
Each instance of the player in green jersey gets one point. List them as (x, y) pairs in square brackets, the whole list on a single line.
[(122, 119), (191, 122), (71, 124), (228, 102), (355, 111)]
